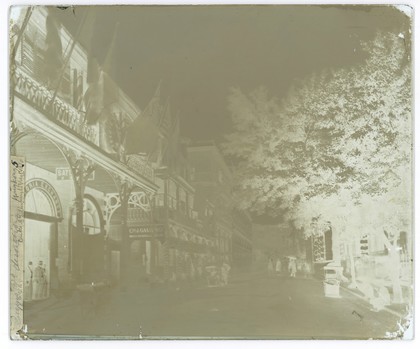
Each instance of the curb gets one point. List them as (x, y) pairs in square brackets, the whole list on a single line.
[(393, 312)]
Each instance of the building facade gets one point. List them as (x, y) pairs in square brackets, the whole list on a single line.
[(80, 184), (212, 180), (112, 193)]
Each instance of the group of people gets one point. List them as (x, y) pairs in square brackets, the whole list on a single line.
[(191, 271), (288, 265), (36, 285), (218, 275)]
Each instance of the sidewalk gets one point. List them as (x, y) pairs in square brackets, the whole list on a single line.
[(399, 310)]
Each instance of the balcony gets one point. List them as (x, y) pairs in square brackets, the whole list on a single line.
[(160, 214), (66, 116), (59, 111)]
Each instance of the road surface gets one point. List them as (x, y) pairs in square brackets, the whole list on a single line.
[(251, 306)]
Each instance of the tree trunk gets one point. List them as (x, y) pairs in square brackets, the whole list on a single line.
[(395, 275), (353, 283), (394, 268)]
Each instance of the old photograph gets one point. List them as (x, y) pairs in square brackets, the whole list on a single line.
[(211, 172)]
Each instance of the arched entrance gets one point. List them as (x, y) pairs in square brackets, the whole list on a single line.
[(43, 211)]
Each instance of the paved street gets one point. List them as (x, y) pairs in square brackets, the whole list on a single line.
[(250, 306)]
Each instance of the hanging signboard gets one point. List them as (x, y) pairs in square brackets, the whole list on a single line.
[(156, 231)]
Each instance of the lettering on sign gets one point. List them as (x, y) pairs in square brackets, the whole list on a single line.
[(149, 231), (64, 174), (47, 188)]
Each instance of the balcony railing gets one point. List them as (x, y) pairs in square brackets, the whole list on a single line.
[(58, 110), (160, 214), (140, 166)]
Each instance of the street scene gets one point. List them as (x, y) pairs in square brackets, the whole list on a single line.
[(252, 306), (214, 172)]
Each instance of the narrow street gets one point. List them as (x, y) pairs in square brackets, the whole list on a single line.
[(257, 306)]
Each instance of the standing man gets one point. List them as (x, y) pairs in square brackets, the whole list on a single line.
[(292, 267)]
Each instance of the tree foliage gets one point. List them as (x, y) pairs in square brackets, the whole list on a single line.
[(339, 135)]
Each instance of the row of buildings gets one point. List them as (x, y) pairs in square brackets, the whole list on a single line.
[(112, 192)]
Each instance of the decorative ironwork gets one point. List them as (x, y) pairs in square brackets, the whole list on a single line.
[(41, 97), (81, 168), (318, 248), (17, 131), (139, 165), (113, 201), (139, 199)]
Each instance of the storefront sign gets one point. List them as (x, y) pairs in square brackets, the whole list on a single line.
[(147, 231), (64, 174), (48, 189)]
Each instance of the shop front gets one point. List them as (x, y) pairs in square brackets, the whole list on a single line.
[(146, 244), (187, 253), (43, 212)]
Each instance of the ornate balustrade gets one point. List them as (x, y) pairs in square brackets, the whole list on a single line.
[(140, 166), (60, 111)]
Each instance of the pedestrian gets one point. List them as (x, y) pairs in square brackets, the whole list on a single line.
[(270, 266), (200, 269), (40, 282), (278, 267), (306, 269), (292, 267), (225, 273), (28, 291)]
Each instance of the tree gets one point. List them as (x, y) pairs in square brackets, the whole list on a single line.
[(348, 128), (340, 140)]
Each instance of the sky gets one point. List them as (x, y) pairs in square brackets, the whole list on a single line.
[(200, 52)]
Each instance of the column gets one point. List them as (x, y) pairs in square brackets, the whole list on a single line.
[(81, 168), (124, 189)]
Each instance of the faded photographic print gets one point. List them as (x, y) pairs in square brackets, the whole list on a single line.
[(211, 172)]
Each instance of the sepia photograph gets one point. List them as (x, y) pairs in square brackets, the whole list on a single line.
[(211, 172)]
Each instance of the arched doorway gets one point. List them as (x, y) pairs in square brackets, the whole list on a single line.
[(43, 211)]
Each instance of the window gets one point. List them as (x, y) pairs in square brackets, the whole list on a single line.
[(364, 245), (182, 200), (27, 54)]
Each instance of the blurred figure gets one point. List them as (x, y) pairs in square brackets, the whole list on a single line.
[(278, 267), (39, 282), (29, 283), (292, 267), (306, 269), (270, 266), (225, 273)]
